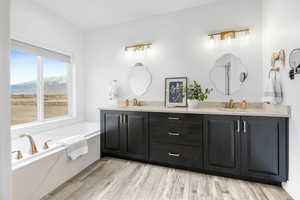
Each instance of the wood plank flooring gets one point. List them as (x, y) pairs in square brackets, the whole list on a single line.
[(116, 179)]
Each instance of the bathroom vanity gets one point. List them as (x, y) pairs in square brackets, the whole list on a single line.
[(249, 145)]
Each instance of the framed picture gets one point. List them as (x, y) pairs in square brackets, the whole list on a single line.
[(174, 96)]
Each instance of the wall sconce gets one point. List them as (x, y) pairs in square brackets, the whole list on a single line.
[(138, 47), (227, 35)]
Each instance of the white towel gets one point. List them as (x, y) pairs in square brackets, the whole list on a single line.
[(273, 90), (76, 146)]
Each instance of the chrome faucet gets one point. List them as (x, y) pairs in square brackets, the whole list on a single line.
[(32, 143)]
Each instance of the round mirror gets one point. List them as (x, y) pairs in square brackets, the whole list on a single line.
[(228, 74), (295, 58), (139, 79)]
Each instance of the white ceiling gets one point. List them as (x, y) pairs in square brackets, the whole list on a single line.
[(89, 14)]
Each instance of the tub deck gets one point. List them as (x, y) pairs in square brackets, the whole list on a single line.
[(85, 128)]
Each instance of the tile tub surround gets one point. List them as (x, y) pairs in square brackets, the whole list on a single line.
[(41, 173), (213, 108)]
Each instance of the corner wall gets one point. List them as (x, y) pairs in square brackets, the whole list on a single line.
[(281, 30), (5, 160)]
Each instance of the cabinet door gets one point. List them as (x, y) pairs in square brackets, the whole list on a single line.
[(112, 129), (264, 148), (136, 145), (222, 144)]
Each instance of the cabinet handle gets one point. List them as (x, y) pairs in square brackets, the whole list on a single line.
[(238, 126), (174, 134), (121, 119), (174, 154), (173, 118), (245, 126)]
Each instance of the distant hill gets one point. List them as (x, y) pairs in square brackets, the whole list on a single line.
[(52, 85)]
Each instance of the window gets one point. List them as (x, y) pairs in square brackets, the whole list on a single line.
[(55, 88), (40, 84), (23, 87)]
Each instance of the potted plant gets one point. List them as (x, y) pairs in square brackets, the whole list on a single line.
[(196, 94)]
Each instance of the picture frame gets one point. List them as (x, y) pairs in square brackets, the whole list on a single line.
[(174, 96)]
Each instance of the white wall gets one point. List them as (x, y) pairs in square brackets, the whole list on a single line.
[(180, 49), (282, 30), (35, 25), (5, 166)]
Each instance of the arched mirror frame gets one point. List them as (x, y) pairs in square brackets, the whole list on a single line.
[(147, 83)]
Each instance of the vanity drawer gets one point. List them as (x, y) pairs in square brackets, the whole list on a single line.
[(177, 135), (166, 119), (175, 120), (176, 155)]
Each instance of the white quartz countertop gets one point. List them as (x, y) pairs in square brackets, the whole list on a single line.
[(262, 110)]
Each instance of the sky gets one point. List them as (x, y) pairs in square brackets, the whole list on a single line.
[(24, 67)]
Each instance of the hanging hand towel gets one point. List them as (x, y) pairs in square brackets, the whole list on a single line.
[(76, 146), (273, 90)]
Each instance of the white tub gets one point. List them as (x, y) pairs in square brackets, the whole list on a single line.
[(36, 175)]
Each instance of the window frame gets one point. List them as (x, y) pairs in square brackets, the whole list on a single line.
[(40, 90)]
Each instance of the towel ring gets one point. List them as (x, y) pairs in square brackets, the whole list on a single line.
[(275, 69)]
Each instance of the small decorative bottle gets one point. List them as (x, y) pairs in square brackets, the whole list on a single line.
[(126, 102), (244, 104)]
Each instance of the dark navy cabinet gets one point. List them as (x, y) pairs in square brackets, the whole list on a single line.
[(222, 144), (264, 148), (136, 135), (254, 148), (250, 148), (112, 128), (125, 134), (176, 140)]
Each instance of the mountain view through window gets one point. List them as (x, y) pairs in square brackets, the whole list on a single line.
[(27, 104), (23, 87), (55, 88)]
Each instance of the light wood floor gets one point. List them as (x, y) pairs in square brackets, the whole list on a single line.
[(116, 179)]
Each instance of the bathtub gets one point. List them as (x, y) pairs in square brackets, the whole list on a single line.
[(36, 175)]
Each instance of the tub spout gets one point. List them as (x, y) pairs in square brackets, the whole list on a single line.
[(32, 143)]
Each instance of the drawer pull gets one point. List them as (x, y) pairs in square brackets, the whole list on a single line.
[(174, 154), (173, 118), (245, 126), (238, 126), (174, 134), (121, 119)]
